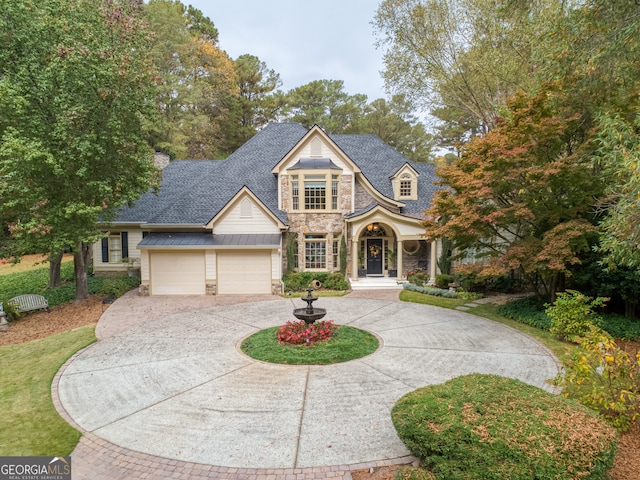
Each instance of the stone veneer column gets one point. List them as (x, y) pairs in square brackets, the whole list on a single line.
[(434, 262), (399, 259)]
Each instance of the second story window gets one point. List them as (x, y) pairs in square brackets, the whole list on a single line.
[(315, 192), (295, 193), (314, 185)]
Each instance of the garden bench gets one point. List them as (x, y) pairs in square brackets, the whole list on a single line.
[(28, 302)]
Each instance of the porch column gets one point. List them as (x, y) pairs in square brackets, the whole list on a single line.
[(399, 259), (434, 262), (354, 259)]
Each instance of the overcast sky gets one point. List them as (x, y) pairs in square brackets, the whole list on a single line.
[(303, 41)]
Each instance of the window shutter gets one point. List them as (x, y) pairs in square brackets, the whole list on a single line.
[(105, 250), (124, 238)]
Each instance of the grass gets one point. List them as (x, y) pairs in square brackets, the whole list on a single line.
[(36, 280), (348, 344), (29, 424), (29, 262), (417, 297)]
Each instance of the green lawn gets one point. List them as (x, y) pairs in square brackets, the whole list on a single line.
[(29, 424), (349, 343)]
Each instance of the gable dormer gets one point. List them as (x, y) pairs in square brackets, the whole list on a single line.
[(405, 183), (315, 176)]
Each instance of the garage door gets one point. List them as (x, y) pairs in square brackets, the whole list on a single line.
[(244, 272), (177, 273)]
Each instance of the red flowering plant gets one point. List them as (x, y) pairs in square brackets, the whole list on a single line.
[(299, 333)]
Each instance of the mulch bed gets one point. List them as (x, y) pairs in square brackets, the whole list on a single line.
[(87, 312)]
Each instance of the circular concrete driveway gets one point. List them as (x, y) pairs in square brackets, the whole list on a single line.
[(178, 387)]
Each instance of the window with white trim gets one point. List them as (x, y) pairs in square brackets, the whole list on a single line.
[(315, 252), (405, 188), (315, 191), (295, 193), (335, 254), (115, 249)]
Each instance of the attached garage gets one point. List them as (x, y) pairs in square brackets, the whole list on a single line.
[(177, 273), (241, 272), (181, 263)]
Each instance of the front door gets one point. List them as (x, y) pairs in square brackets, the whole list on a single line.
[(374, 256)]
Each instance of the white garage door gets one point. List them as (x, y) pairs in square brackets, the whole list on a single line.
[(244, 272), (177, 273)]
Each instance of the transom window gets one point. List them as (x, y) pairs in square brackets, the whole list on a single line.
[(315, 252)]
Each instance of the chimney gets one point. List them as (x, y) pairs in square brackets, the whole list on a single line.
[(160, 159)]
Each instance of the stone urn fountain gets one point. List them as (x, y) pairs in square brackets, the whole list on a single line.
[(309, 313)]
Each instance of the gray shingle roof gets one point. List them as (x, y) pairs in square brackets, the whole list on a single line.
[(194, 191)]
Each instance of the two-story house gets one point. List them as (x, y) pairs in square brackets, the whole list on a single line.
[(222, 227)]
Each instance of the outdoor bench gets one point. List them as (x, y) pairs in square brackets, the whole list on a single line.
[(28, 302)]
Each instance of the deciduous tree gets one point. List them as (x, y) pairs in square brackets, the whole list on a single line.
[(76, 83), (523, 193)]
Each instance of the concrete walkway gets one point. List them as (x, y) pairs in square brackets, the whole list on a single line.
[(166, 393)]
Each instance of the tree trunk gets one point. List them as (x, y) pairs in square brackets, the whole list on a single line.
[(81, 259), (55, 263)]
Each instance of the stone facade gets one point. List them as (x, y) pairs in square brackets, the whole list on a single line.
[(303, 223), (363, 199), (419, 260)]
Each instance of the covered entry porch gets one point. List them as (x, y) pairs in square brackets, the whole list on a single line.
[(386, 244)]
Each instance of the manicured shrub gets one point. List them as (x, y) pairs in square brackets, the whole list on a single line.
[(489, 427), (336, 281), (300, 281), (418, 277), (605, 378), (572, 315), (443, 280), (439, 292)]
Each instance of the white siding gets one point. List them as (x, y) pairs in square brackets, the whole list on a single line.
[(134, 237), (325, 152), (210, 264), (235, 222)]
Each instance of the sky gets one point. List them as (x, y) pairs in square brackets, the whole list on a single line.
[(303, 41)]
